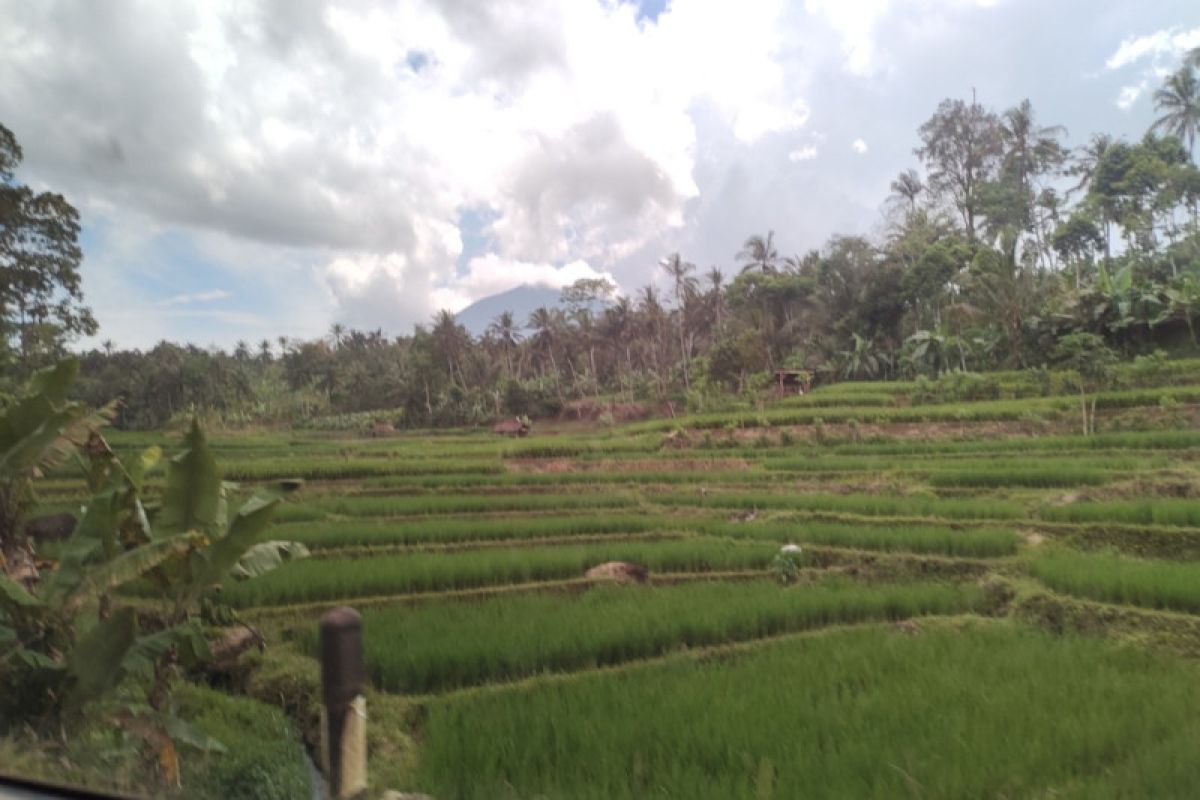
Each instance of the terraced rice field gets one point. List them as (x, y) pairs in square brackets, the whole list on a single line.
[(982, 607)]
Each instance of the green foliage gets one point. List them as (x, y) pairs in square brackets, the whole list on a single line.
[(440, 646), (1121, 579), (981, 710), (321, 580)]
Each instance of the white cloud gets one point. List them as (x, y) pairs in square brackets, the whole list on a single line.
[(1170, 43), (859, 146), (195, 297), (805, 153), (1129, 95)]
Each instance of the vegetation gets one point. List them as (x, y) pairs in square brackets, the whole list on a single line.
[(864, 713)]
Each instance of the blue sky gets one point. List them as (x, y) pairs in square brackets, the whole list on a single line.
[(255, 169)]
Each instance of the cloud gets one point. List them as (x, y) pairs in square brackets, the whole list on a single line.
[(195, 297), (859, 146), (1169, 42), (319, 157)]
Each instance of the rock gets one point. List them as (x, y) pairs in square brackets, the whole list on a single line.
[(619, 572), (382, 428), (51, 528), (511, 427)]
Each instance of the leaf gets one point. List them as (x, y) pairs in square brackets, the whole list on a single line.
[(95, 661), (143, 464), (265, 557), (128, 566), (168, 762), (14, 594), (192, 498), (189, 735), (54, 382), (188, 640), (248, 524), (35, 660)]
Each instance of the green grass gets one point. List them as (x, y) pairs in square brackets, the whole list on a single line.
[(445, 504), (439, 646), (370, 533), (989, 711), (863, 504), (1149, 583), (330, 579), (932, 539), (1142, 511)]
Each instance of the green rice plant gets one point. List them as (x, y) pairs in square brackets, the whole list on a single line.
[(863, 504), (1150, 583), (446, 504), (350, 468), (934, 539), (584, 477), (1140, 440), (1142, 511), (439, 646), (985, 710), (334, 579), (367, 533), (1032, 476)]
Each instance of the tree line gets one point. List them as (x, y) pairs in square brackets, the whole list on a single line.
[(1001, 241)]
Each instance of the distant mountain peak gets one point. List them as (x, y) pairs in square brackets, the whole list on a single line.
[(521, 301)]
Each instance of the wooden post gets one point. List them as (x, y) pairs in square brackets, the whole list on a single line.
[(344, 708)]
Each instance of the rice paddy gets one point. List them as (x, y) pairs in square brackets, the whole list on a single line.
[(902, 652)]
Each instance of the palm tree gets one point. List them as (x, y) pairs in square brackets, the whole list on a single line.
[(1087, 159), (907, 187), (450, 340), (1179, 102), (545, 325), (1030, 149), (685, 286), (716, 280), (759, 253), (264, 351), (108, 347), (337, 332), (505, 329)]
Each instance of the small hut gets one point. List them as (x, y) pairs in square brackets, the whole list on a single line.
[(512, 427), (792, 381)]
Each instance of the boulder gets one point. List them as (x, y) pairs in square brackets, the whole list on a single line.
[(51, 528), (619, 572), (511, 427)]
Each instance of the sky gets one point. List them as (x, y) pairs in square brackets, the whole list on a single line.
[(249, 169)]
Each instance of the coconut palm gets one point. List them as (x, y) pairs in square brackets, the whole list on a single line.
[(504, 329), (1029, 149), (759, 253), (337, 332), (685, 286), (1179, 102), (907, 187), (716, 281)]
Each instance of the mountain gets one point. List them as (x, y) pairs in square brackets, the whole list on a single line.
[(521, 301)]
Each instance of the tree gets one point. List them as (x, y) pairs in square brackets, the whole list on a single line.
[(759, 253), (1179, 103), (684, 284), (907, 187), (504, 329), (1091, 362), (41, 297), (960, 147)]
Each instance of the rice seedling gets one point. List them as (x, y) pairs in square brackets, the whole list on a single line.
[(438, 646), (862, 504), (1141, 511), (370, 533), (986, 710), (932, 539), (446, 504), (330, 579), (1150, 583)]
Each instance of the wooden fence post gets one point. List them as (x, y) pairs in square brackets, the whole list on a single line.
[(344, 708)]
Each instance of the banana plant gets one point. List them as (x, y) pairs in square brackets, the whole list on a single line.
[(66, 647)]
